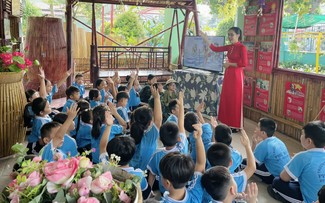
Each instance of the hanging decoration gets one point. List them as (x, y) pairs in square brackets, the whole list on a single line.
[(261, 4)]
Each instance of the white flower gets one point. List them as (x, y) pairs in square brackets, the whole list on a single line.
[(209, 79), (203, 94), (187, 77), (193, 93), (198, 79)]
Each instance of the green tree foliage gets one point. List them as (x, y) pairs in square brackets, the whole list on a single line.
[(129, 26), (29, 10), (84, 10), (53, 3), (223, 27), (301, 7), (153, 27)]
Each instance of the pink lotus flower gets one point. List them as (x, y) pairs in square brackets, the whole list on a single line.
[(21, 66), (102, 183), (34, 179), (84, 185), (124, 197), (37, 159), (6, 58), (14, 196), (61, 172), (28, 63), (88, 200)]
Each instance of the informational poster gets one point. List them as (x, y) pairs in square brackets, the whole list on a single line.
[(265, 58), (267, 22), (250, 46), (198, 54), (322, 104), (248, 91), (250, 25), (294, 103), (261, 98)]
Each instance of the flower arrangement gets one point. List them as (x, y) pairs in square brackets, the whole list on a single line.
[(13, 61), (72, 180)]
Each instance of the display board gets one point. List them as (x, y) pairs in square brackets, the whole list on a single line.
[(198, 55), (294, 101)]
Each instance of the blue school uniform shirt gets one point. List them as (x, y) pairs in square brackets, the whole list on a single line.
[(308, 167), (134, 98), (67, 149), (94, 103), (83, 137), (116, 129), (172, 118), (273, 153), (38, 122), (73, 132), (67, 105), (81, 88), (31, 114), (69, 146), (206, 138), (236, 158), (153, 165), (193, 192), (123, 112), (50, 95), (146, 148), (103, 94)]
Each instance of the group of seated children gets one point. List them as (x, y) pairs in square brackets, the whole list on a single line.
[(193, 165)]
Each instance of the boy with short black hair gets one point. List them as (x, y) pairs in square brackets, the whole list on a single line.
[(122, 99), (305, 168), (55, 139), (271, 154), (79, 83), (174, 110), (174, 139), (223, 134), (73, 95), (178, 169), (220, 185)]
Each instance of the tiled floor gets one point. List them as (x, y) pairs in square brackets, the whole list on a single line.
[(263, 197)]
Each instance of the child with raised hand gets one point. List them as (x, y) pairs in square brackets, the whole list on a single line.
[(123, 147), (94, 98), (53, 89), (223, 134), (82, 105), (99, 128), (174, 111), (41, 109), (219, 154), (101, 85), (145, 131), (79, 83), (70, 143), (221, 186), (178, 169), (73, 95), (271, 154), (57, 146), (83, 136), (192, 118), (133, 86), (174, 139), (303, 176), (122, 99)]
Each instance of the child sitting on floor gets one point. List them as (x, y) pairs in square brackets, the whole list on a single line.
[(94, 98), (145, 131), (83, 136), (79, 83), (219, 154), (122, 99), (222, 134), (178, 169), (174, 139), (73, 95), (303, 176), (174, 109), (58, 144), (271, 154), (41, 109), (221, 186), (123, 147)]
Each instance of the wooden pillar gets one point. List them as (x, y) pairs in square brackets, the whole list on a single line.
[(69, 38), (94, 69), (196, 18), (187, 15), (2, 31)]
